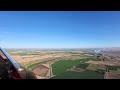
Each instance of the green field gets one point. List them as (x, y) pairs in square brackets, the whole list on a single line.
[(83, 65), (79, 75), (62, 65), (60, 69)]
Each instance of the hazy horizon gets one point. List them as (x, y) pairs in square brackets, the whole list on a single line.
[(63, 48), (59, 29)]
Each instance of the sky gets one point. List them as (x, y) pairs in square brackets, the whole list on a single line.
[(59, 29)]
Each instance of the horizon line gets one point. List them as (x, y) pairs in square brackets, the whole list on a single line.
[(62, 48)]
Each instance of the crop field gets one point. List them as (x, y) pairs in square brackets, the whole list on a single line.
[(96, 67), (26, 54), (113, 67), (67, 65), (62, 65), (83, 65), (60, 69), (79, 75)]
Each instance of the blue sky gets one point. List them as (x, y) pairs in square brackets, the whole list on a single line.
[(59, 29)]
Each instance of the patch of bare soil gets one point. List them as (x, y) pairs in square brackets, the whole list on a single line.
[(40, 77), (77, 69), (28, 59), (42, 70), (109, 75), (22, 59), (110, 63)]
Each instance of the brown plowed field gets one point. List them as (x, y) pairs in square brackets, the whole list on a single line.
[(22, 59)]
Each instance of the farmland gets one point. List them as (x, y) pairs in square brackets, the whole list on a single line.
[(62, 65), (80, 75), (67, 64), (61, 69)]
